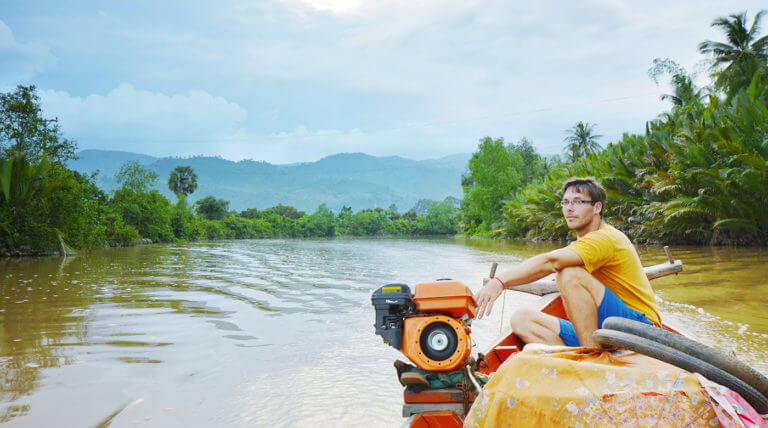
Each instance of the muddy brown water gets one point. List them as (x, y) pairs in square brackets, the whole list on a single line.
[(279, 332)]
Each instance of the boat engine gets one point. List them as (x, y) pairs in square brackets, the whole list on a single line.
[(431, 326)]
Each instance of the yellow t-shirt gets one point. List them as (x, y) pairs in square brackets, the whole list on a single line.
[(610, 257)]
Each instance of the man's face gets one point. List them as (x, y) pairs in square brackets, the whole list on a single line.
[(578, 215)]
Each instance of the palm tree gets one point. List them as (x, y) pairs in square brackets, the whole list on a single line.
[(742, 55), (685, 93), (182, 181), (22, 181), (581, 141)]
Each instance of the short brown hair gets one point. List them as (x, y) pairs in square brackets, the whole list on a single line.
[(589, 186)]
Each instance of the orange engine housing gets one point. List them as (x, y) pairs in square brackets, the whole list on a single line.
[(446, 297), (417, 333), (444, 310)]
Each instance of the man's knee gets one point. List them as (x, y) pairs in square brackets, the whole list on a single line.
[(573, 276), (522, 319)]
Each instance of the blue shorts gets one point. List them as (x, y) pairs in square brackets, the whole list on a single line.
[(611, 306)]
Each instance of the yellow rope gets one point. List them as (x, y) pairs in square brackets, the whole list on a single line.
[(503, 301)]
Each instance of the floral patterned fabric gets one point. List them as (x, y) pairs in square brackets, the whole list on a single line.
[(731, 409), (581, 387)]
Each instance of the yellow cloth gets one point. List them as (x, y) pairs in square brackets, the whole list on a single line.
[(548, 386), (610, 257)]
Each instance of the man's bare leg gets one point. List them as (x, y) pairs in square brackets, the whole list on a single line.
[(581, 294), (536, 327)]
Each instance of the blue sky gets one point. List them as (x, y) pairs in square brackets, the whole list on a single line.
[(296, 80)]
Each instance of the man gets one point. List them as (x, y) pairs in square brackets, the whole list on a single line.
[(598, 276)]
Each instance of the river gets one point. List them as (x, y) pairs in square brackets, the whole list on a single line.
[(280, 332)]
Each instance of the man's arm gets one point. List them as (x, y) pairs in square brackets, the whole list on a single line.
[(536, 267)]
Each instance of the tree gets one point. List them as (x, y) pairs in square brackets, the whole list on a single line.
[(496, 172), (212, 208), (581, 141), (132, 176), (741, 55), (288, 211), (439, 220), (22, 182), (25, 132), (345, 211), (320, 223), (491, 178), (182, 181), (42, 200)]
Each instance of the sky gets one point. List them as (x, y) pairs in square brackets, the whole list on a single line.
[(296, 80)]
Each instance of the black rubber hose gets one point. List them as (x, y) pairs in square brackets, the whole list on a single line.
[(613, 338), (693, 348)]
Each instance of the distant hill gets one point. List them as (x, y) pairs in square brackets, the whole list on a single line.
[(354, 179)]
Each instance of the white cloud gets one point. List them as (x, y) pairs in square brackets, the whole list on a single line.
[(148, 122), (20, 61), (332, 6), (418, 79)]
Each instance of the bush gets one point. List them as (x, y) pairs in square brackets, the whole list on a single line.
[(242, 228), (184, 223), (117, 232), (149, 213), (214, 229)]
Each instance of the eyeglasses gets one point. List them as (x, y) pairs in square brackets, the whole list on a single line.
[(577, 203)]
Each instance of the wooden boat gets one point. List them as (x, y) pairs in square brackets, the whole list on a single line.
[(439, 314)]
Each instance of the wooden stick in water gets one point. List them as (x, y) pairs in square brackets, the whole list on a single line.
[(669, 254)]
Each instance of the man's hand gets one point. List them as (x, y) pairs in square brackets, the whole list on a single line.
[(486, 296)]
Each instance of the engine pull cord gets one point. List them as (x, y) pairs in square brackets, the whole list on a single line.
[(503, 296)]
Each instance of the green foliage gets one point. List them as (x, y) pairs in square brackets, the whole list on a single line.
[(422, 206), (146, 210), (697, 176), (288, 211), (212, 208), (21, 182), (365, 223), (496, 171), (182, 181), (134, 177), (216, 229), (117, 232), (77, 208), (240, 228), (24, 205), (26, 133), (40, 199), (183, 221), (441, 219), (321, 223)]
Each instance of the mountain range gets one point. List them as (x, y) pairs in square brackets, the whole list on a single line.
[(353, 179)]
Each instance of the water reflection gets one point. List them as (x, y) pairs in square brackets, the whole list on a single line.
[(226, 333), (41, 309)]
